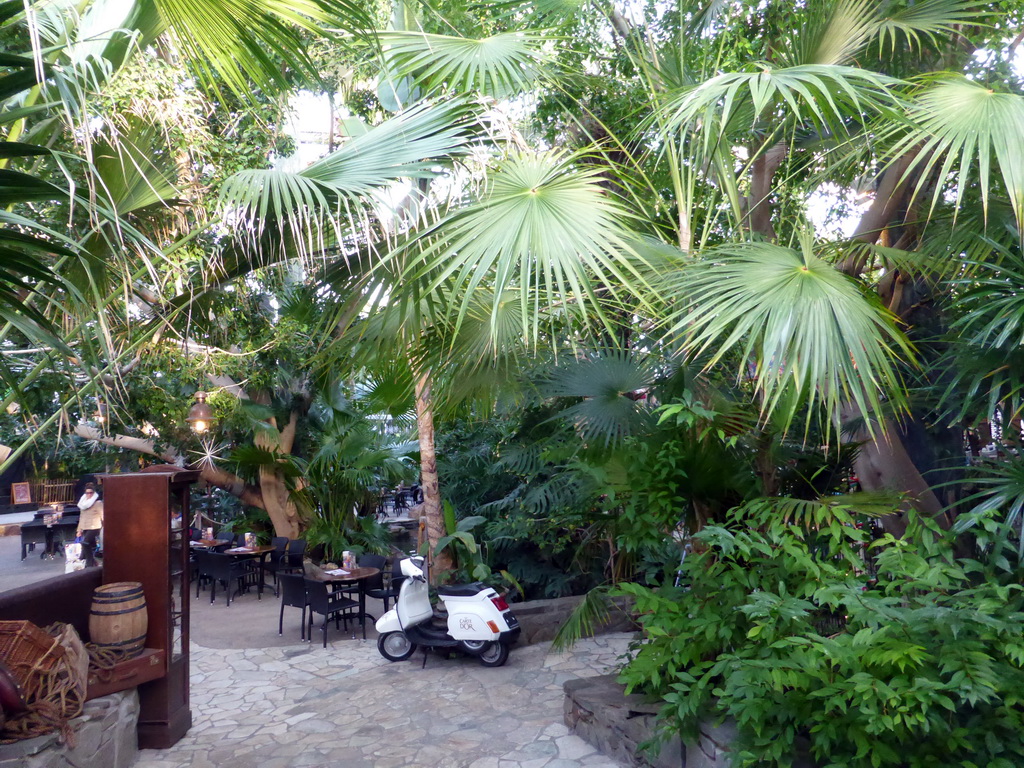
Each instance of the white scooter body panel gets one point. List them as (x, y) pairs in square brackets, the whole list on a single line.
[(413, 603), (468, 615), (388, 622), (469, 625)]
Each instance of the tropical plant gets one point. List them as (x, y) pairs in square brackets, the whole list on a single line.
[(754, 112), (816, 639), (350, 461)]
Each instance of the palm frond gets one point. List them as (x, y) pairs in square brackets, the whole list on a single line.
[(834, 32), (926, 21), (310, 205), (590, 612), (1002, 491), (959, 127), (544, 229), (988, 338), (800, 328), (239, 42), (129, 169), (823, 96), (533, 12), (607, 413), (499, 66)]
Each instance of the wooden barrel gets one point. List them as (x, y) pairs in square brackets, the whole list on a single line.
[(118, 618)]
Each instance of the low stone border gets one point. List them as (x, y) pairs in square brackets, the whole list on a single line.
[(103, 736), (598, 710), (541, 619)]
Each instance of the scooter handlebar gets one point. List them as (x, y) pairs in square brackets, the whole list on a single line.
[(410, 569)]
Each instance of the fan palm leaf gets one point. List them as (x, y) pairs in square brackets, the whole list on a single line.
[(821, 95), (924, 22), (498, 66), (240, 42), (304, 204), (801, 329), (988, 337), (543, 228), (959, 127), (835, 31), (131, 171), (607, 413), (535, 12), (1001, 490)]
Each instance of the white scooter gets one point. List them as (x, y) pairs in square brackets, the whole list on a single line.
[(479, 620)]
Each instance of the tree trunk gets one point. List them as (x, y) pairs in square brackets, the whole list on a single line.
[(276, 495), (432, 514), (762, 177), (883, 464)]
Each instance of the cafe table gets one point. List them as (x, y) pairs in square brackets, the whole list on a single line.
[(253, 553), (357, 575), (47, 529), (207, 543)]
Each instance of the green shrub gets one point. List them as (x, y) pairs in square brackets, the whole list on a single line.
[(778, 625)]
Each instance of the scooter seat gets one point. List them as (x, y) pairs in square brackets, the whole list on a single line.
[(461, 590)]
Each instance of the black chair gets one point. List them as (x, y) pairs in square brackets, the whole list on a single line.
[(295, 553), (385, 590), (275, 559), (293, 593), (219, 568), (329, 604)]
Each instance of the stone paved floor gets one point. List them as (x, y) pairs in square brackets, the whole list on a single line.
[(301, 706)]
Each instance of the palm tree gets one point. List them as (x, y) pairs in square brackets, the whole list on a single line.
[(62, 285), (817, 324)]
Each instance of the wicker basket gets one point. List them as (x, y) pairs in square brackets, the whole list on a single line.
[(49, 678)]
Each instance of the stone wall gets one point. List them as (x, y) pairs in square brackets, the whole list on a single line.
[(598, 710), (540, 619), (103, 736)]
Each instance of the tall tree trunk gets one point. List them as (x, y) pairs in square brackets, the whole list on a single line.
[(276, 494), (883, 462), (432, 514)]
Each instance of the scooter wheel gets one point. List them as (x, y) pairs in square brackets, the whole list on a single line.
[(474, 647), (395, 646), (494, 656)]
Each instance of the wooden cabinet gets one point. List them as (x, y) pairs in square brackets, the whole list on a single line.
[(145, 539)]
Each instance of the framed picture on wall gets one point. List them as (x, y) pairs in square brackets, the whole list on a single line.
[(21, 493)]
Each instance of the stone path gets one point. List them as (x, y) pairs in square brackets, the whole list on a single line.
[(302, 706)]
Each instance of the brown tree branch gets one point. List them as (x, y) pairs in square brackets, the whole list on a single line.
[(248, 494), (889, 198), (227, 384), (762, 179)]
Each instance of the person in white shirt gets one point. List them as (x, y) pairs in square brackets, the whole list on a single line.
[(90, 522)]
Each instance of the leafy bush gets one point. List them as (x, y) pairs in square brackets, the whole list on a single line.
[(921, 667)]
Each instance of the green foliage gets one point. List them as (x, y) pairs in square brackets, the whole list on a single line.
[(468, 556), (779, 625), (360, 535), (252, 521)]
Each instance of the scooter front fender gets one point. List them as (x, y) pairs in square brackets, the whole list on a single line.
[(389, 622)]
